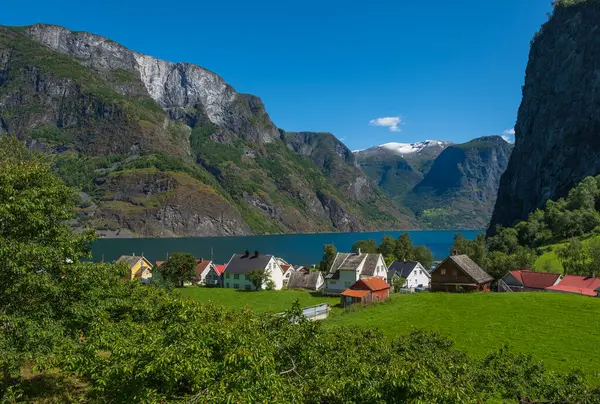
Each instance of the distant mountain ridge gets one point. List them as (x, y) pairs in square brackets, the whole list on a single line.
[(445, 185), (170, 149)]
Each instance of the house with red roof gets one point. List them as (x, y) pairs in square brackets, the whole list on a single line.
[(581, 285), (366, 291), (527, 281)]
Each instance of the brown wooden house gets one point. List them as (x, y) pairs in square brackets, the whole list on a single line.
[(365, 291), (459, 273)]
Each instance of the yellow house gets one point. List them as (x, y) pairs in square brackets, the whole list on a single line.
[(139, 267)]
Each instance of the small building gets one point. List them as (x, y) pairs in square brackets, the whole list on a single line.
[(347, 268), (306, 280), (414, 273), (460, 273), (366, 291), (203, 268), (236, 272), (528, 281), (138, 267), (580, 285)]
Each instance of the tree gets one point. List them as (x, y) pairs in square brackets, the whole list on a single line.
[(398, 283), (258, 277), (365, 247), (179, 268), (573, 257), (404, 248), (475, 249), (505, 240), (593, 253), (387, 246), (329, 254), (423, 255)]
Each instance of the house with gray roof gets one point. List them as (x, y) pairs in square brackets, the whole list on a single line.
[(236, 272), (460, 273), (306, 280), (347, 268), (413, 272)]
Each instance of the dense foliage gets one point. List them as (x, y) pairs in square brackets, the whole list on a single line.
[(401, 249), (179, 268), (74, 331)]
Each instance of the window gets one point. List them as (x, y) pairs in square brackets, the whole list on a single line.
[(236, 286), (247, 287), (227, 275), (236, 276), (443, 271)]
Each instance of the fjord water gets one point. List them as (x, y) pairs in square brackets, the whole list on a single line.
[(302, 249)]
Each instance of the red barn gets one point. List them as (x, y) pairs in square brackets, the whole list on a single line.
[(365, 291)]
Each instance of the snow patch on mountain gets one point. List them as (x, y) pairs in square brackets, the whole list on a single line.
[(412, 148)]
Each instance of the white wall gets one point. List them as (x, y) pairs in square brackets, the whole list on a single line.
[(418, 276), (276, 274)]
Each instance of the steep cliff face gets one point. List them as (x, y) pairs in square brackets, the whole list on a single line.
[(108, 114), (558, 125), (460, 189)]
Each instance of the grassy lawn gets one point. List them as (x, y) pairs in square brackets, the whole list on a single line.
[(561, 330), (272, 301)]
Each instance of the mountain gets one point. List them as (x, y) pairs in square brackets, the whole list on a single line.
[(398, 167), (558, 123), (446, 186), (460, 189), (170, 149)]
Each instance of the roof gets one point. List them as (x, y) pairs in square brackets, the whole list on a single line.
[(242, 263), (352, 262), (584, 285), (373, 283), (469, 266), (285, 267), (302, 280), (535, 280), (201, 265), (130, 260), (355, 293), (370, 264), (159, 263), (220, 269), (401, 268)]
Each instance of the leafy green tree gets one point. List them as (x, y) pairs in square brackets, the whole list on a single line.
[(593, 254), (573, 257), (398, 283), (179, 268), (505, 240), (423, 255), (258, 277), (387, 246), (475, 249), (329, 253), (365, 247), (404, 248)]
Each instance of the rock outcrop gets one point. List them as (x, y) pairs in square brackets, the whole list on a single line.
[(109, 114), (558, 125)]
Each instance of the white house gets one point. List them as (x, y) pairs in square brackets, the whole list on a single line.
[(347, 268), (236, 272), (414, 273)]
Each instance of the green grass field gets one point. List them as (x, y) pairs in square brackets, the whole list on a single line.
[(271, 301), (561, 330)]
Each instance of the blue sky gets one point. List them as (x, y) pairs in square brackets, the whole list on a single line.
[(447, 70)]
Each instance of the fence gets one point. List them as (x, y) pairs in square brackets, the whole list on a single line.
[(318, 312)]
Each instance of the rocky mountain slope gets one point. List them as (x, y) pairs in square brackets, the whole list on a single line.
[(170, 149), (460, 189), (558, 125), (445, 185)]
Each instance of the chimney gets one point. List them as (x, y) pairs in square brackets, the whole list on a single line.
[(246, 254), (454, 251), (201, 259), (256, 253), (358, 251), (133, 255)]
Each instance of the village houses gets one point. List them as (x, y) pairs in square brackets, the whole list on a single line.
[(415, 274), (138, 267), (236, 271), (306, 280), (347, 268), (460, 273), (366, 291)]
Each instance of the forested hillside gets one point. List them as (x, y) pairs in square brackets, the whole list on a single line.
[(165, 149)]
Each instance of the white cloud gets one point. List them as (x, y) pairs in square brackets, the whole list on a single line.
[(509, 132), (508, 139), (390, 122)]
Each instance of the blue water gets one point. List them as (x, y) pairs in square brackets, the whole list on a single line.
[(301, 249)]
